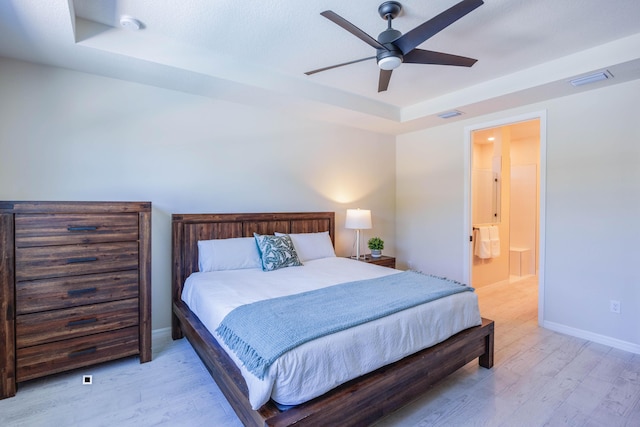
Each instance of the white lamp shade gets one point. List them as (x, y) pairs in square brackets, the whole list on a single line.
[(358, 219)]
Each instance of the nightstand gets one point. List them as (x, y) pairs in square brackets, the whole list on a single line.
[(385, 261)]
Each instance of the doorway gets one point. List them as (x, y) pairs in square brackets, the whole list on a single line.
[(505, 195)]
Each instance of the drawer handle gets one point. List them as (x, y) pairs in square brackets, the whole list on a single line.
[(83, 352), (85, 228), (74, 292), (85, 259), (82, 322)]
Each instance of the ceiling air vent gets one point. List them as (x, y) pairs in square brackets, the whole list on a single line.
[(449, 114), (591, 78)]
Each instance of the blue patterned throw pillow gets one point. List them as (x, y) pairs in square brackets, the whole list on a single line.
[(276, 252)]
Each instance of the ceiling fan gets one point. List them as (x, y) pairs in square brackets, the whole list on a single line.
[(393, 48)]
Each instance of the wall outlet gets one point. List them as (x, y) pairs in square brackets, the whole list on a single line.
[(614, 306)]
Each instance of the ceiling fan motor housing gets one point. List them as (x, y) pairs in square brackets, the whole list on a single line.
[(391, 57)]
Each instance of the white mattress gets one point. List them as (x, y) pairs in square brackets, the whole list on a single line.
[(316, 367)]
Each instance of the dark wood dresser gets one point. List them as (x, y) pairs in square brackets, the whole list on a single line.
[(75, 286)]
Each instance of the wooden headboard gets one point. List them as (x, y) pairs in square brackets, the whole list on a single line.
[(187, 229)]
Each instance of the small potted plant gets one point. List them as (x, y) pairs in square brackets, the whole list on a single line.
[(376, 245)]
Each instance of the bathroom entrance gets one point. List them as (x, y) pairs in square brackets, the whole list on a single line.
[(505, 203)]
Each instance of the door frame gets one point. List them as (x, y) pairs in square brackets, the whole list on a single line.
[(468, 224)]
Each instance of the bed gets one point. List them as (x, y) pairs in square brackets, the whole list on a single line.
[(359, 401)]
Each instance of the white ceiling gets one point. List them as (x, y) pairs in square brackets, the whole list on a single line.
[(256, 52)]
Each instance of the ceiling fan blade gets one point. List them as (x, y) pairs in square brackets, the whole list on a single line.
[(424, 31), (308, 73), (383, 82), (337, 19), (419, 56)]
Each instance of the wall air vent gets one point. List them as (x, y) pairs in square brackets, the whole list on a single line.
[(591, 78)]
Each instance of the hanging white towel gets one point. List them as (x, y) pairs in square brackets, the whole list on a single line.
[(494, 237), (482, 247)]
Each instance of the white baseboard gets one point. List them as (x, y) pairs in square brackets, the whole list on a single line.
[(600, 339), (161, 333)]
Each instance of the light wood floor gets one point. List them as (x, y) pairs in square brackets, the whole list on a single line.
[(540, 378)]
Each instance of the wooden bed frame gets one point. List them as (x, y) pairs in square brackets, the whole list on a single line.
[(358, 402)]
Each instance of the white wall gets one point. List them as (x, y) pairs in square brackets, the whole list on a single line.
[(72, 136), (66, 135), (592, 209)]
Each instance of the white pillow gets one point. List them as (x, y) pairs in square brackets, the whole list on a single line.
[(228, 254), (312, 245)]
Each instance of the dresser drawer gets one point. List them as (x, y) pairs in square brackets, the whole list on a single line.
[(33, 362), (39, 328), (45, 262), (64, 292), (67, 229)]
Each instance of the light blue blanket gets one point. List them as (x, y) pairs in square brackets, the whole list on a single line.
[(260, 332)]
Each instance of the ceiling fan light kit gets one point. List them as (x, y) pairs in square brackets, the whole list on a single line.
[(389, 63), (394, 48)]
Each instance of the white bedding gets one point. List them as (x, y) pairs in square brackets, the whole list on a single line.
[(318, 366)]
